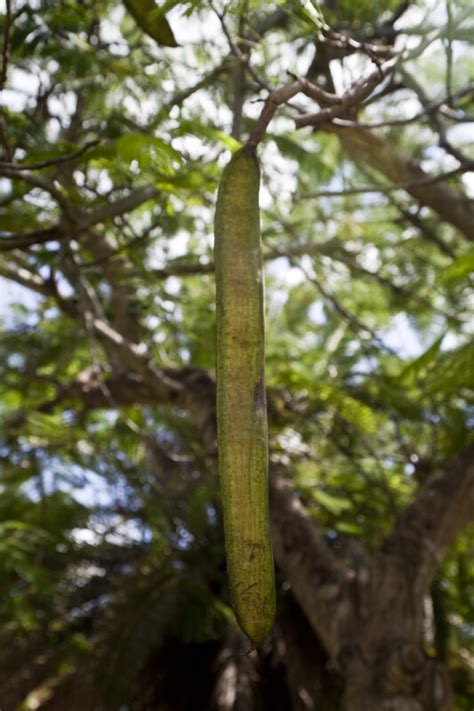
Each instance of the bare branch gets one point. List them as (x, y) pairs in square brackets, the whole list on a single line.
[(120, 207), (363, 189), (52, 161), (429, 108), (280, 96), (37, 181), (24, 240), (372, 50), (81, 222), (352, 98), (339, 105)]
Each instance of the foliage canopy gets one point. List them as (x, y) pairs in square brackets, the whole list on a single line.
[(111, 556)]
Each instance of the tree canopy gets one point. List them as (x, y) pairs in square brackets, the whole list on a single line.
[(117, 119)]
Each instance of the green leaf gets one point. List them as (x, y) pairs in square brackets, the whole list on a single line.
[(317, 154), (148, 151), (357, 413), (196, 128), (14, 221), (334, 504), (460, 269), (409, 374), (352, 529), (454, 372)]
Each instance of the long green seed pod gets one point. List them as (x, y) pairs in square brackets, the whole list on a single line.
[(241, 402), (152, 21)]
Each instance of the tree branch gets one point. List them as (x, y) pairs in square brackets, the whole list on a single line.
[(425, 529), (52, 161), (318, 580), (81, 223), (23, 240), (364, 189), (37, 181), (353, 97), (369, 149), (119, 207), (25, 278)]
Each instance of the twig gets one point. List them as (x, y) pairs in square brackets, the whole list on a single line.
[(448, 44), (354, 324), (353, 97), (424, 229), (240, 55), (39, 181), (390, 188), (338, 104), (429, 108), (51, 161), (313, 91), (180, 96), (372, 50), (435, 120)]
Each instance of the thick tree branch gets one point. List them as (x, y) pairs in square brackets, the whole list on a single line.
[(81, 222), (121, 275), (37, 181), (428, 527), (369, 149), (120, 207), (24, 240), (385, 636), (319, 582)]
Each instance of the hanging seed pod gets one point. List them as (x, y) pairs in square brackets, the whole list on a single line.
[(241, 402)]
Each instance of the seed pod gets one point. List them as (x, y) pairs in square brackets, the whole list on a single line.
[(241, 403), (152, 21)]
